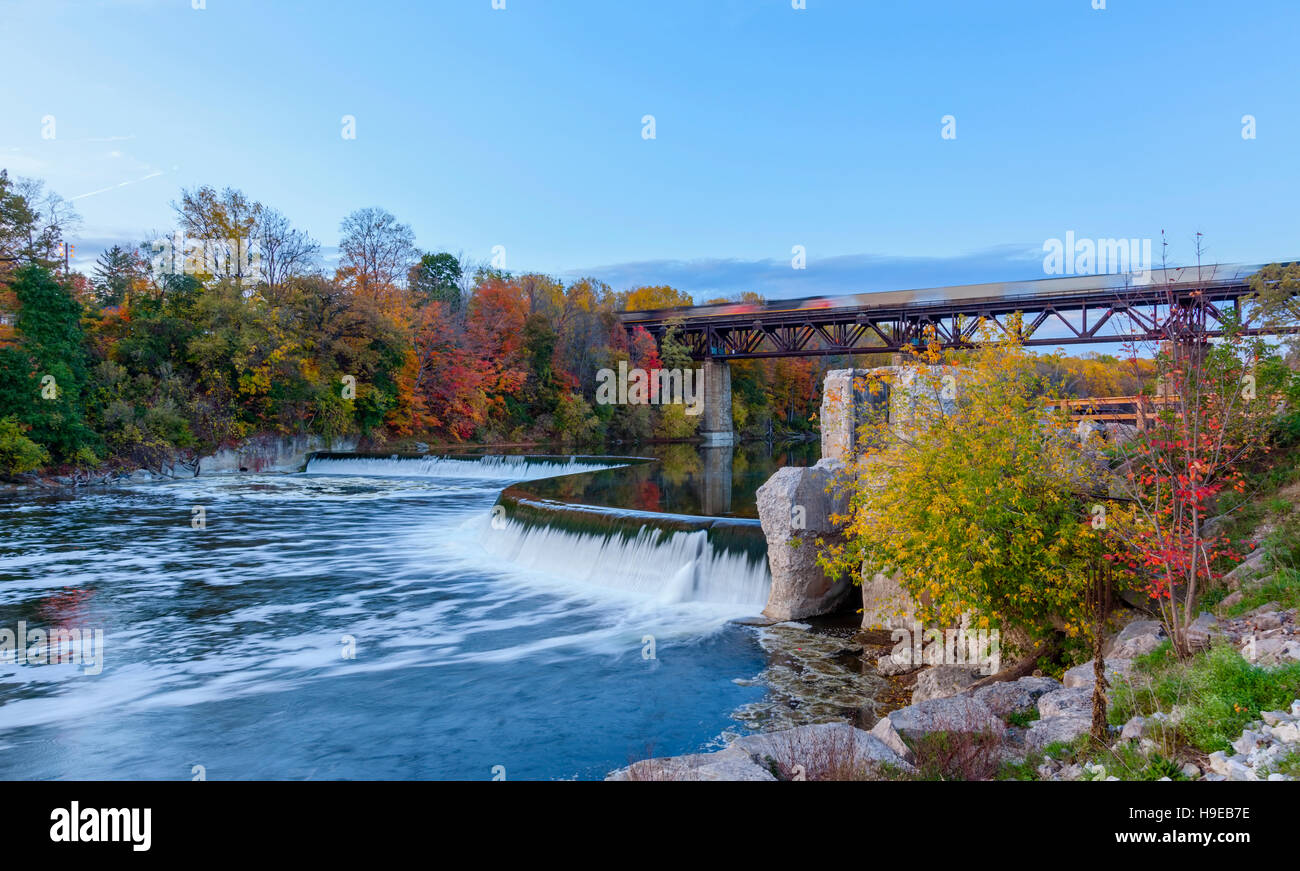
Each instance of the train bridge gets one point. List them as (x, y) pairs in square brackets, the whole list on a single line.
[(1159, 305)]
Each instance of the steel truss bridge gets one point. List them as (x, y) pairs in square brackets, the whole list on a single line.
[(1169, 305)]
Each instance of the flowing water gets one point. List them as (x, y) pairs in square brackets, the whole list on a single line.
[(371, 618)]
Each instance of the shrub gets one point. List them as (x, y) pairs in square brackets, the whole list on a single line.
[(18, 453)]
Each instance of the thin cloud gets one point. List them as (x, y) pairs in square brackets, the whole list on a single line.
[(153, 174)]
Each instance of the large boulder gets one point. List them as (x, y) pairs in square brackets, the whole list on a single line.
[(885, 604), (835, 748), (726, 764), (1072, 702), (1051, 730), (1014, 696), (953, 714), (941, 681), (795, 508)]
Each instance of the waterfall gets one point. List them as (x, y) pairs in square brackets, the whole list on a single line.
[(664, 557), (678, 565), (492, 467)]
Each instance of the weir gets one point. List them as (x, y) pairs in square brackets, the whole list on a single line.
[(537, 524)]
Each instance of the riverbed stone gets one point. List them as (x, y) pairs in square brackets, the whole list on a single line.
[(795, 508)]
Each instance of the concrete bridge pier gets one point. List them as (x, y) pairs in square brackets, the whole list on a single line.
[(716, 427)]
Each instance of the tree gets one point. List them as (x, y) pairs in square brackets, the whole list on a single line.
[(42, 379), (115, 270), (1211, 419), (224, 224), (662, 296), (437, 278), (1276, 297), (376, 250), (284, 250), (972, 497)]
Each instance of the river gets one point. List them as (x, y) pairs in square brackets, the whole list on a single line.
[(365, 623)]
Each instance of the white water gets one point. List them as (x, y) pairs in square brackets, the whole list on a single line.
[(494, 467), (683, 567)]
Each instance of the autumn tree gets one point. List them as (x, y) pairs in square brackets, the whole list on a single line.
[(973, 498), (376, 251)]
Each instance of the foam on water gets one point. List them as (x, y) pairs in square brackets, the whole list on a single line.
[(677, 567), (492, 467)]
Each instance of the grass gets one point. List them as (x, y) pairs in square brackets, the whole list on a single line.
[(1283, 587), (1218, 693), (1022, 718)]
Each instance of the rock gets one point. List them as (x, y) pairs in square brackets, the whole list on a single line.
[(1274, 718), (1135, 728), (1082, 675), (1276, 776), (1203, 628), (1135, 639), (1287, 733), (1237, 771), (889, 665), (1262, 609), (723, 765), (1008, 697), (1191, 771), (941, 681), (885, 604), (1067, 703), (1218, 762), (885, 732), (837, 745), (1247, 570), (1051, 730), (1248, 742), (1266, 621), (817, 750), (953, 714), (793, 505), (1232, 600), (1270, 651)]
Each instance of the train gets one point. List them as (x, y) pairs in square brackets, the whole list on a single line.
[(1036, 289)]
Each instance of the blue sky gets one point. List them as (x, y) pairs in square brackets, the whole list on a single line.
[(775, 127)]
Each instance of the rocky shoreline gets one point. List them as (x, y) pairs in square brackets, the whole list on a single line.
[(829, 713)]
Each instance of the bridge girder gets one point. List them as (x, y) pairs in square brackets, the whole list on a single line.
[(1147, 314)]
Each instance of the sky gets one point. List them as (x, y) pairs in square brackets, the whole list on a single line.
[(774, 127)]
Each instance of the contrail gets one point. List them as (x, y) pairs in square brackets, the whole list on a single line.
[(116, 186)]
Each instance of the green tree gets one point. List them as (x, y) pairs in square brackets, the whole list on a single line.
[(437, 278), (114, 271)]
